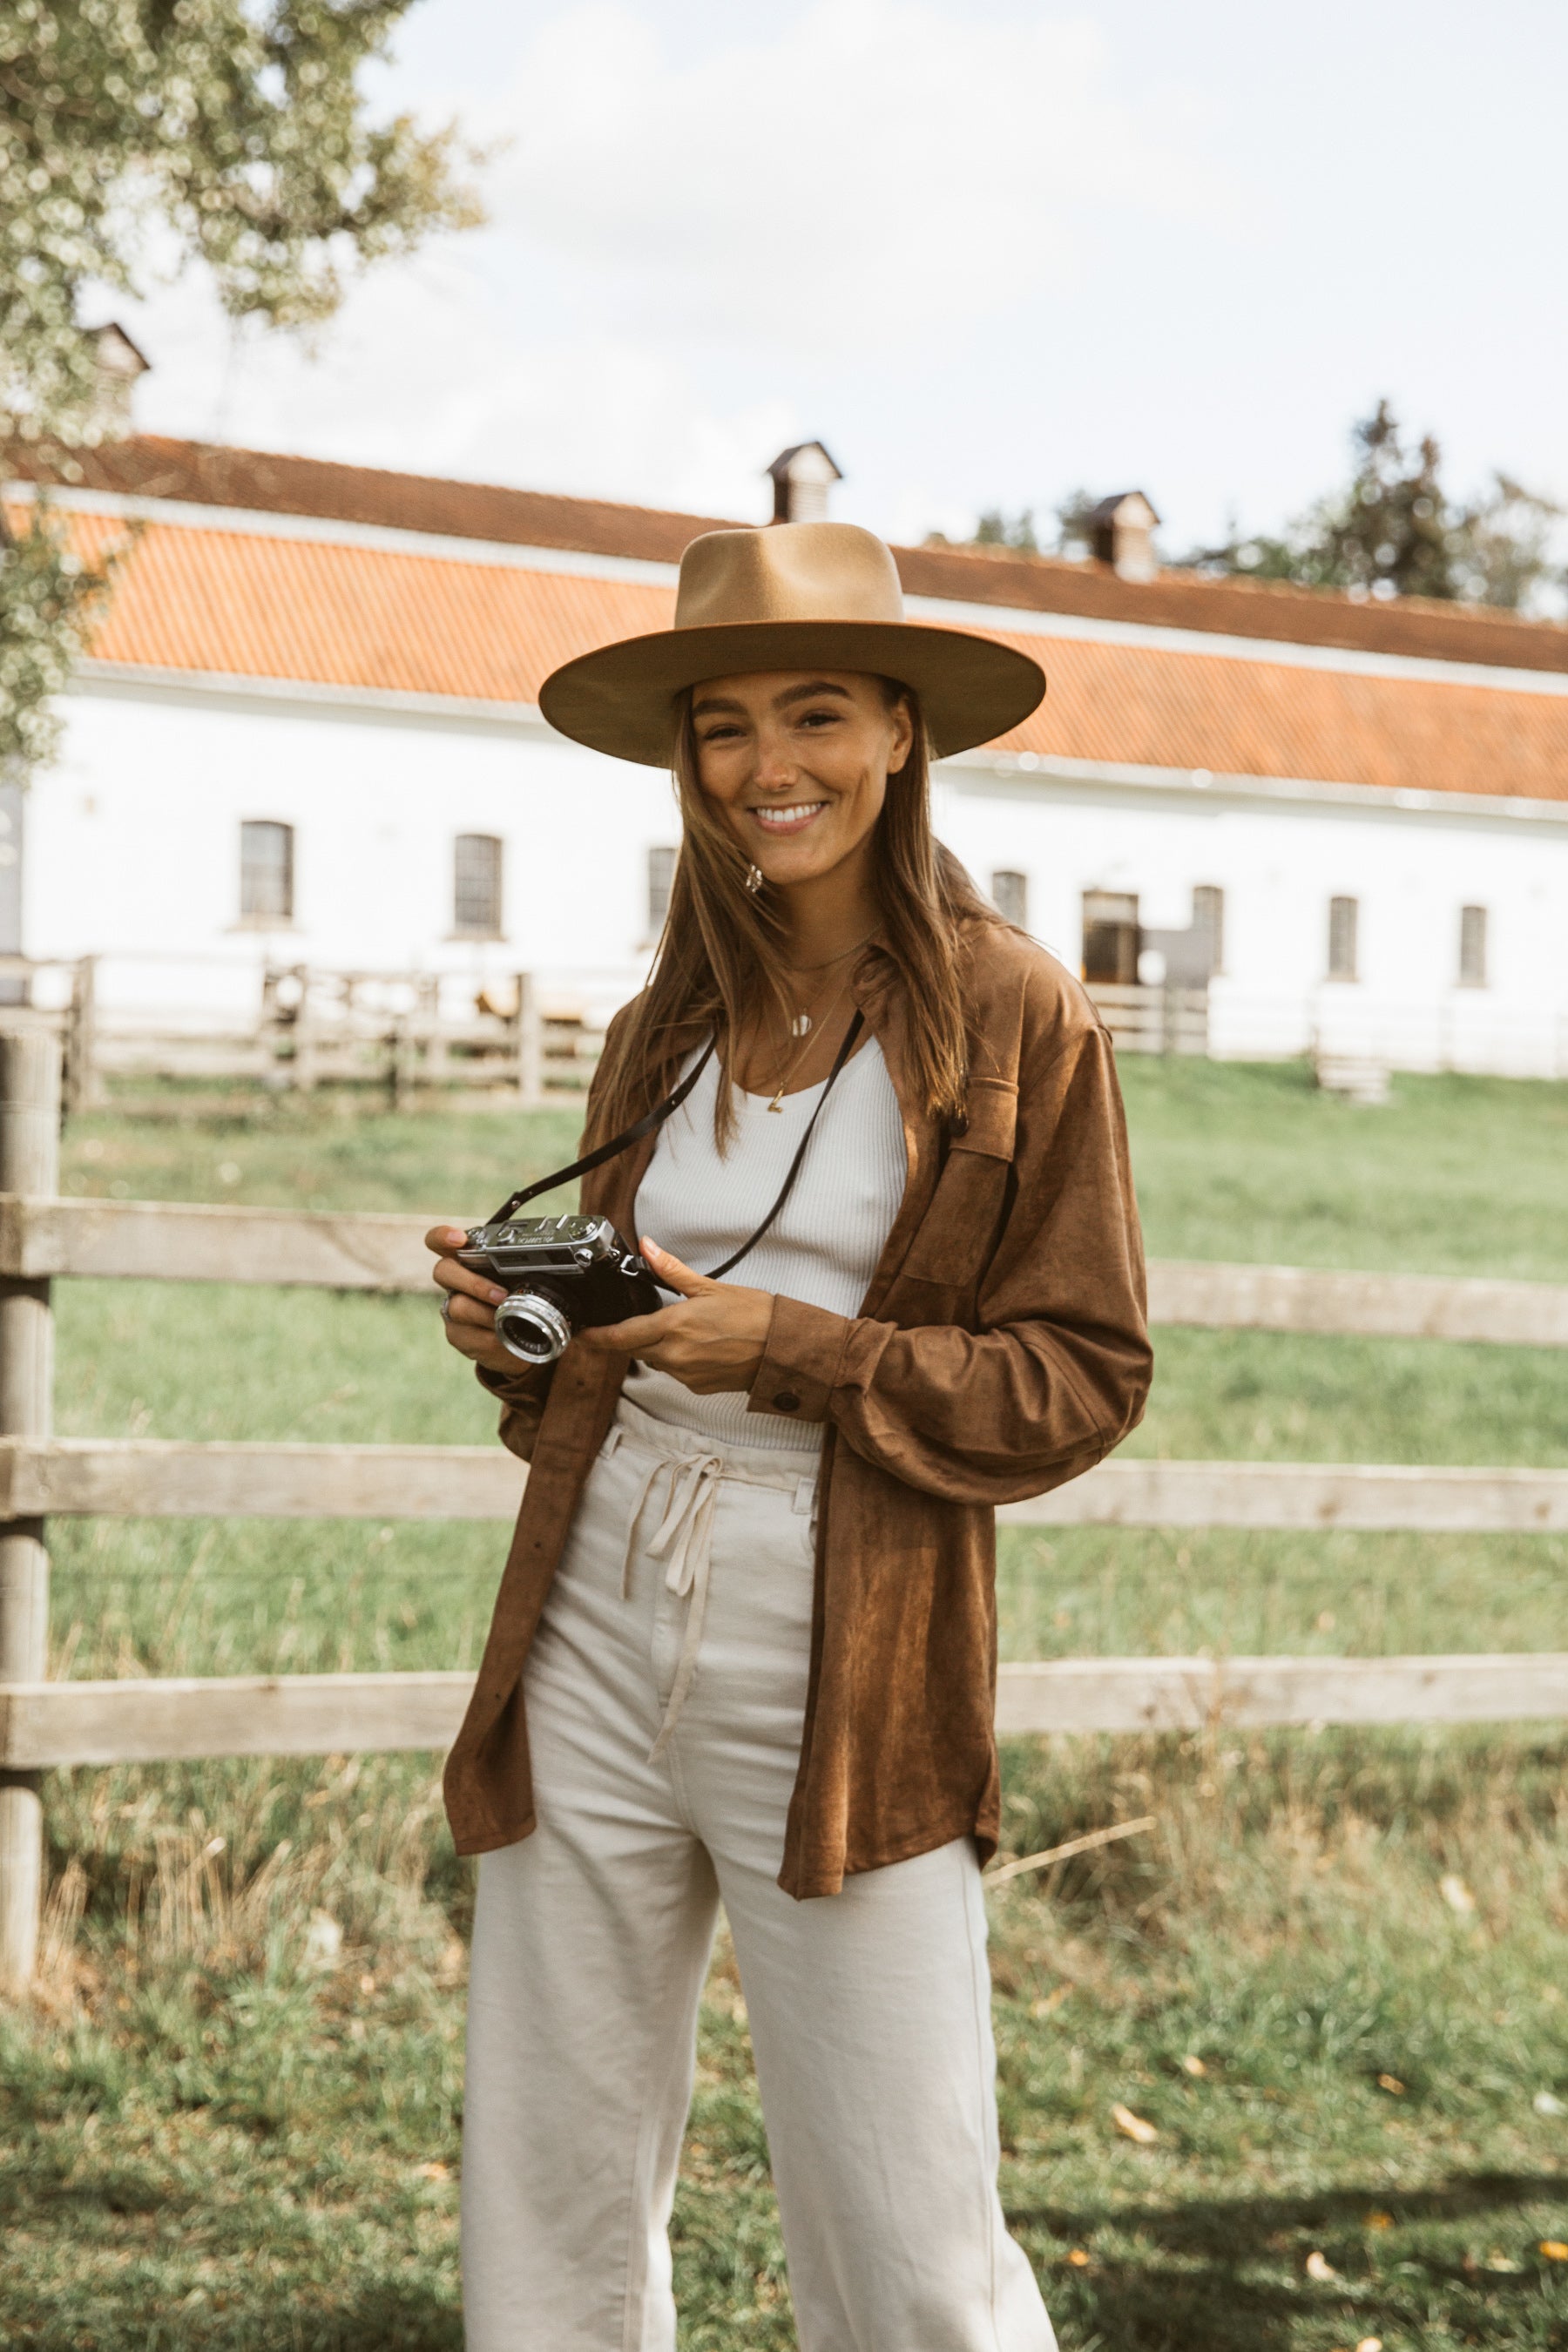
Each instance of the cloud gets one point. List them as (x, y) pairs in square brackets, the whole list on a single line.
[(420, 373), (868, 162), (691, 245)]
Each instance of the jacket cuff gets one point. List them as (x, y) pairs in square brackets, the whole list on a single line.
[(522, 1387), (800, 1363)]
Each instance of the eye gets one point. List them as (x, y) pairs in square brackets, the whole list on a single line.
[(722, 730), (817, 719)]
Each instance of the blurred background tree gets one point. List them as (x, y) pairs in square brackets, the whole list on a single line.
[(994, 529), (1393, 531), (204, 131)]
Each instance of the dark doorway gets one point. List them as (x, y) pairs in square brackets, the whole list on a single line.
[(1111, 937)]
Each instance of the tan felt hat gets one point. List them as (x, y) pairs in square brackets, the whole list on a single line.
[(798, 595)]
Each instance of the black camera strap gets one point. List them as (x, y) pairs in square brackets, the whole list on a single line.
[(618, 1143), (656, 1117), (787, 1187)]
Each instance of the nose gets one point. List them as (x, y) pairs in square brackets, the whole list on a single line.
[(775, 770)]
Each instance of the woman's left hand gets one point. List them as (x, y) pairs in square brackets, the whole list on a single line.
[(711, 1340)]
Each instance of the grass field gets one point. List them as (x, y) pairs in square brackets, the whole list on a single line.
[(230, 2118)]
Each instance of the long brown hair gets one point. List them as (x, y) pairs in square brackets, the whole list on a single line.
[(720, 954)]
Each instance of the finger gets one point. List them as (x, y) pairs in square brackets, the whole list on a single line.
[(442, 1238), (630, 1338), (673, 1273), (457, 1279), (478, 1347), (470, 1313)]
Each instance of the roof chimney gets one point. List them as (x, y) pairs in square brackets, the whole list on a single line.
[(1121, 530), (801, 478), (118, 365)]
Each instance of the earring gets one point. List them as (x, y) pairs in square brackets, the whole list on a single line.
[(754, 879)]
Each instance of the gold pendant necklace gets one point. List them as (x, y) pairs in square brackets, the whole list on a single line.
[(804, 1024), (805, 1033)]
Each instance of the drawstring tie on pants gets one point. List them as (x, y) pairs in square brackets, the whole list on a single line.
[(685, 1539)]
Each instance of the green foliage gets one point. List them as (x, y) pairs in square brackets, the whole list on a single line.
[(1074, 532), (238, 128), (222, 2130), (235, 130), (1015, 533), (1393, 531), (46, 594)]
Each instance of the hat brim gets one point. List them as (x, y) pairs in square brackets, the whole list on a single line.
[(621, 697)]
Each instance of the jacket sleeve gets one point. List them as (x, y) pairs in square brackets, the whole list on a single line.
[(1055, 1369), (523, 1396)]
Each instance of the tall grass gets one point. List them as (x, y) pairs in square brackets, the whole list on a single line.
[(1329, 1977)]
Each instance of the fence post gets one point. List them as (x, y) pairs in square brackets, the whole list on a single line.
[(29, 1162), (530, 1044), (83, 1090), (401, 1064), (302, 1069)]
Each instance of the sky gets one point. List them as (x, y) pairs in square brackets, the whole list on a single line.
[(988, 251)]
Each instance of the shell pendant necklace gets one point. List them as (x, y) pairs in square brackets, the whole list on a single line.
[(804, 1027), (805, 1024)]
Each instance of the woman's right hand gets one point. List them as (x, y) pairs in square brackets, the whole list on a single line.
[(468, 1309)]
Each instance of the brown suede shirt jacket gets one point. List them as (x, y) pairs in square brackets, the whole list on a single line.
[(1000, 1352)]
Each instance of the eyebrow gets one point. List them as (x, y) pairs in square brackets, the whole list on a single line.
[(716, 702)]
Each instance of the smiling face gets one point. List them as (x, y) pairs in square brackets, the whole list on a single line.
[(796, 762)]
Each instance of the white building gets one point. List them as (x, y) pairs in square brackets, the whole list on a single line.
[(308, 734)]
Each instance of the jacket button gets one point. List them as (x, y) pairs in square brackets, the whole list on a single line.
[(786, 1401)]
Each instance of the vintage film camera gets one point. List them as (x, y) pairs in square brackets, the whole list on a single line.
[(563, 1275)]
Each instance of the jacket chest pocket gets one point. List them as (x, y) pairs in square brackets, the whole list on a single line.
[(958, 1231)]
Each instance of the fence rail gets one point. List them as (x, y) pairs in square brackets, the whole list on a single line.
[(201, 1241), (46, 1725), (174, 1478), (400, 1032), (1164, 1019)]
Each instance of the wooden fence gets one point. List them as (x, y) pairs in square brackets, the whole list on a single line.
[(45, 1724), (1166, 1018), (399, 1034), (383, 1032)]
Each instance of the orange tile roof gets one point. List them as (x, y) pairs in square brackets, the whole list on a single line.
[(151, 465), (247, 605), (201, 473), (1243, 718)]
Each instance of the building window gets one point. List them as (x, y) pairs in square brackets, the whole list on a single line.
[(1342, 918), (660, 880), (1208, 921), (1010, 896), (476, 887), (266, 873), (1111, 937), (1472, 947)]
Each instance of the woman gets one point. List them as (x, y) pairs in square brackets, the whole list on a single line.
[(744, 1647)]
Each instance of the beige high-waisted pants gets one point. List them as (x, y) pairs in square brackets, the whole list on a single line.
[(680, 1621)]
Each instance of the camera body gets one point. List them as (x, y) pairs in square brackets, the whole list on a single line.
[(563, 1274)]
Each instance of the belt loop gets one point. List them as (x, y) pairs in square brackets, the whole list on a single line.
[(805, 1496)]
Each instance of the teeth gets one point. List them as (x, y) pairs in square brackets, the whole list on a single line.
[(788, 815)]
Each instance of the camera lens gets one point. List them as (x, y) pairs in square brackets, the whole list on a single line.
[(531, 1327)]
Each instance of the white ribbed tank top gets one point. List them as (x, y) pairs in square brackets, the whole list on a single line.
[(823, 1248)]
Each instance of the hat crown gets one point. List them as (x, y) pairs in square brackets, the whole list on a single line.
[(788, 571)]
